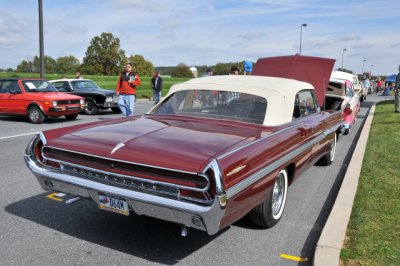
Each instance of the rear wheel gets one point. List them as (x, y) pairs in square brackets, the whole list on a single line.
[(91, 107), (35, 115), (71, 117), (328, 158), (270, 211)]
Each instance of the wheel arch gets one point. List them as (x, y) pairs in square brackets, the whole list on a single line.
[(35, 104), (291, 170)]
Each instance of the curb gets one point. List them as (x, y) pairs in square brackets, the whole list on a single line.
[(327, 251)]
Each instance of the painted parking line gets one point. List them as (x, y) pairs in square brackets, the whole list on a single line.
[(20, 135), (294, 258), (56, 196)]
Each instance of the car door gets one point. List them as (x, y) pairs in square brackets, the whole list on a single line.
[(313, 123), (11, 98), (62, 86)]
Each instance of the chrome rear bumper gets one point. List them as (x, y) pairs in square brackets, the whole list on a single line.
[(206, 218)]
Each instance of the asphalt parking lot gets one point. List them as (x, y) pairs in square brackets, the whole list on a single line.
[(37, 230)]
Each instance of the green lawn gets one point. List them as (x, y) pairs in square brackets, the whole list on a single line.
[(106, 82), (373, 234)]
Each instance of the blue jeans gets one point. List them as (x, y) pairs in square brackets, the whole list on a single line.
[(126, 103), (157, 96)]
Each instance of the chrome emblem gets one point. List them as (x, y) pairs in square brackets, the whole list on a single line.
[(117, 147), (236, 170)]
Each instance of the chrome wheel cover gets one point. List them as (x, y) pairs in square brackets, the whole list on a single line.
[(34, 115), (333, 149), (279, 194)]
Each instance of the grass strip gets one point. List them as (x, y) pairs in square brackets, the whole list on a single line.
[(373, 233)]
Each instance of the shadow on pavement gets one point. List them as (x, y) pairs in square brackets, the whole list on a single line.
[(139, 236), (312, 239)]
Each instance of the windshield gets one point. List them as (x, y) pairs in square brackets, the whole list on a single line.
[(83, 85), (38, 86), (215, 104)]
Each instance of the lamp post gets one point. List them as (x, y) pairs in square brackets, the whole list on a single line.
[(41, 41), (370, 70), (301, 33), (344, 50), (362, 70)]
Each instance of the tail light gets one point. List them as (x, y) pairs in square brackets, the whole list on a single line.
[(347, 111), (38, 151), (36, 147)]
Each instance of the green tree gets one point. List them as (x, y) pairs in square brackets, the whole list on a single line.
[(225, 68), (103, 56), (141, 65), (49, 64), (25, 66), (182, 71), (67, 64)]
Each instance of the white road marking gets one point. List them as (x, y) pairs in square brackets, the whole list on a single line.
[(20, 135)]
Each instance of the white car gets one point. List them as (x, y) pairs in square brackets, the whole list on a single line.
[(357, 85), (340, 95)]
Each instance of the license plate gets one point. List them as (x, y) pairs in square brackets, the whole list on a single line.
[(113, 205)]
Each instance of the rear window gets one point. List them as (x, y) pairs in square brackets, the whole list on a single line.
[(216, 104)]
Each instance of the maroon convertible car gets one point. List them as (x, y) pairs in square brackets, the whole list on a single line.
[(215, 149)]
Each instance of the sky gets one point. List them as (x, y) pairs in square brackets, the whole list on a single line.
[(208, 32)]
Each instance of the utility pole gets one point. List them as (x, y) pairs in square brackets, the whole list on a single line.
[(41, 41)]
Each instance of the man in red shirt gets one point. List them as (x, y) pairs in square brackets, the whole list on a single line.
[(126, 89)]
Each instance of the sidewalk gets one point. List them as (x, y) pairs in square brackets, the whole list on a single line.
[(327, 252)]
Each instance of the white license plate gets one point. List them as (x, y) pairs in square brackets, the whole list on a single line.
[(113, 205)]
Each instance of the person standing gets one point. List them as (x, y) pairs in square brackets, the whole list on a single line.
[(78, 75), (367, 84), (157, 87), (397, 93), (126, 89)]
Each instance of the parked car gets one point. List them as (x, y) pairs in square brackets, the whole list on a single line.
[(213, 150), (95, 97), (37, 99), (357, 85), (340, 95)]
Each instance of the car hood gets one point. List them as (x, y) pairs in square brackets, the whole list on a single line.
[(177, 144), (52, 96), (99, 91)]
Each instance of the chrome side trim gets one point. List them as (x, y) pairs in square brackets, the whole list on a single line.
[(234, 190), (254, 142)]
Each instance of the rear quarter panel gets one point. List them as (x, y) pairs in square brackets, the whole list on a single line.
[(249, 173)]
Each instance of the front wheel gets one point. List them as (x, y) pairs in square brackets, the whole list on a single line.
[(35, 115), (270, 211), (328, 158), (71, 117), (91, 107)]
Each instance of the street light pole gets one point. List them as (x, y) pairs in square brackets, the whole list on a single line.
[(344, 50), (371, 69), (362, 71), (41, 42), (301, 33)]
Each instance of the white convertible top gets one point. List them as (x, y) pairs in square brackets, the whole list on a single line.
[(279, 92)]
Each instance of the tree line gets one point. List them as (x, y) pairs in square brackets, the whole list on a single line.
[(104, 56)]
